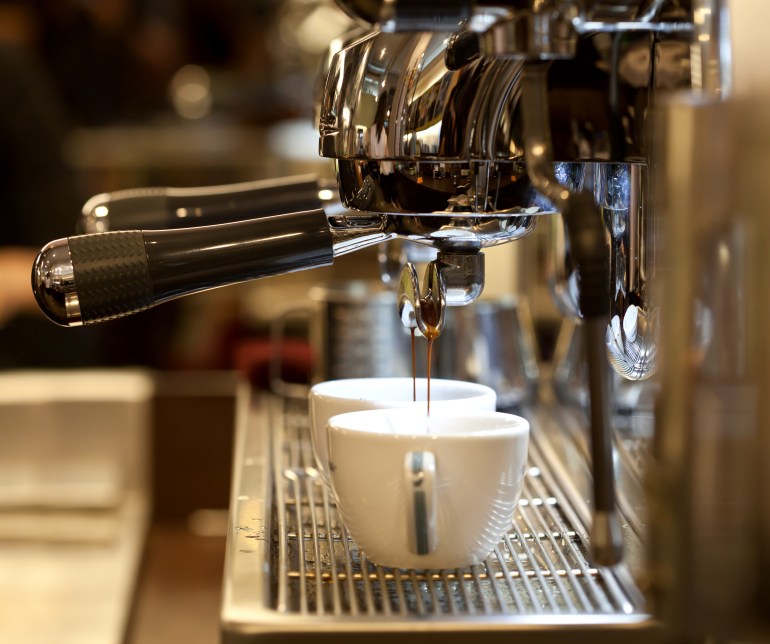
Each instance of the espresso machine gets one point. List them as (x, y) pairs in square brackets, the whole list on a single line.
[(461, 125)]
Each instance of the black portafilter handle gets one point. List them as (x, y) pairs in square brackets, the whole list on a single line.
[(163, 208), (86, 279)]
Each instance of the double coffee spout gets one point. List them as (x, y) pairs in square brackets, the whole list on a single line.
[(452, 279), (416, 310)]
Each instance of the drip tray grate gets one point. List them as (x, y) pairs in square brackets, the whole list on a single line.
[(292, 572), (540, 567)]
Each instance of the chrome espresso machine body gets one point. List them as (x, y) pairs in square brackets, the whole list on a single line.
[(461, 125)]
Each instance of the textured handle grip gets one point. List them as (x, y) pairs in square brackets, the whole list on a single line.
[(92, 278), (112, 274)]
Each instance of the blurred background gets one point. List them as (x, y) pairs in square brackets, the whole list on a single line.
[(96, 96), (100, 96)]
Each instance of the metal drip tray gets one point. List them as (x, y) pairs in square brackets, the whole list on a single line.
[(292, 569)]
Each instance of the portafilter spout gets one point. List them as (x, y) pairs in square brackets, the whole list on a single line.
[(422, 309), (452, 279)]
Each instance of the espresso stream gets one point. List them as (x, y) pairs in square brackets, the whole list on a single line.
[(431, 332), (414, 370)]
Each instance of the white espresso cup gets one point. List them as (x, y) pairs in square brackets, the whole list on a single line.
[(327, 399), (427, 492)]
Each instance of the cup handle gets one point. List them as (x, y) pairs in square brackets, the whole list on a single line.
[(420, 478)]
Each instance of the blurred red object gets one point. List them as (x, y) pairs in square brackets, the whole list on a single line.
[(252, 358)]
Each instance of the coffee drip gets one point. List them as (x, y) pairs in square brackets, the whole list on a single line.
[(423, 312), (431, 338), (431, 331), (414, 368)]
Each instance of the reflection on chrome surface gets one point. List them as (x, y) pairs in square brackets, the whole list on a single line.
[(632, 331), (418, 132), (392, 96), (437, 187), (435, 139)]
